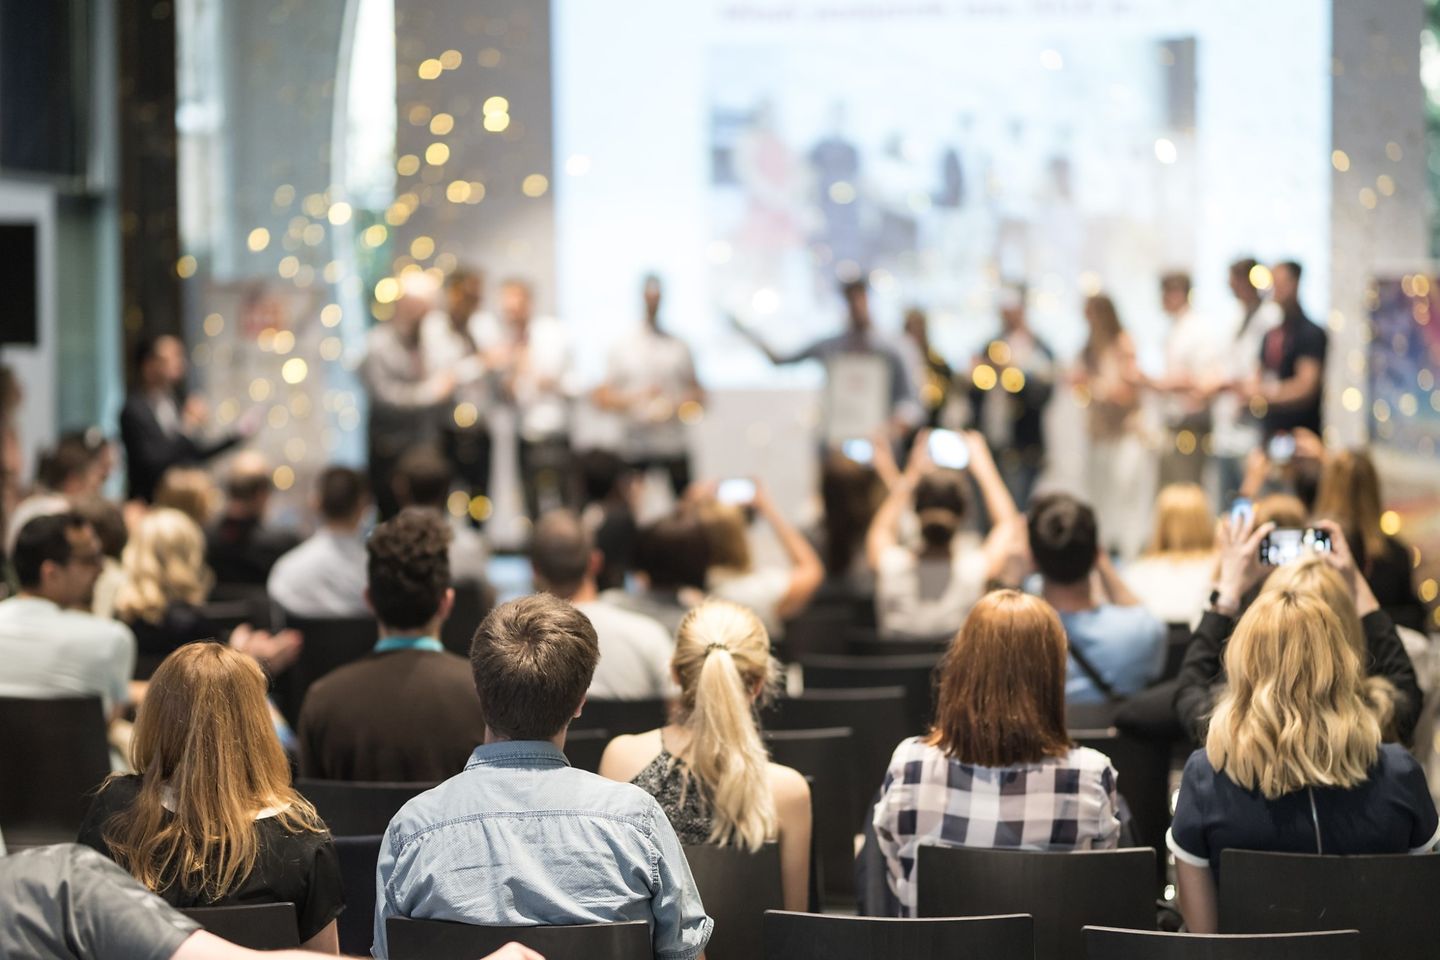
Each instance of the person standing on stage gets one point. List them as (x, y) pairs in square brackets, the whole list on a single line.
[(1291, 384), (1012, 384), (531, 359), (450, 337), (650, 376), (1193, 352), (932, 373), (405, 394), (842, 354), (1236, 431), (158, 432)]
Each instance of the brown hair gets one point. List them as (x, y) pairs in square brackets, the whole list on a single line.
[(726, 534), (205, 745), (1002, 684), (1281, 509), (1105, 328), (189, 490), (1349, 494), (1183, 523), (533, 660), (407, 567)]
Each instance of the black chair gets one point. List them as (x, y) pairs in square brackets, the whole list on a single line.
[(357, 808), (441, 940), (329, 643), (358, 857), (1389, 899), (820, 629), (870, 644), (915, 672), (472, 602), (1106, 943), (257, 926), (583, 748), (827, 759), (53, 755), (1144, 770), (1062, 891), (226, 615), (877, 716), (809, 936), (737, 887), (622, 716)]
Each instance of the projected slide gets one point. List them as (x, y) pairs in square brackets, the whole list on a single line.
[(756, 153)]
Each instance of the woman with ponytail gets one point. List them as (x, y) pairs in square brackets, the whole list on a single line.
[(709, 769)]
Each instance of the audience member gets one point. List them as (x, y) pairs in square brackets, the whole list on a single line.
[(709, 769), (108, 522), (611, 488), (68, 472), (422, 479), (166, 585), (210, 816), (634, 649), (49, 645), (776, 593), (11, 459), (1293, 761), (407, 712), (241, 547), (850, 494), (191, 491), (926, 590), (990, 777), (325, 575), (1116, 646), (1174, 575), (519, 819), (672, 559), (1240, 574)]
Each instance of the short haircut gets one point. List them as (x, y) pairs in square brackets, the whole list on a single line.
[(1177, 281), (601, 472), (850, 288), (342, 491), (44, 538), (248, 485), (106, 517), (560, 551), (1064, 538), (533, 659), (422, 477), (408, 567), (462, 275), (147, 346), (1292, 266), (1242, 269), (673, 552), (70, 457)]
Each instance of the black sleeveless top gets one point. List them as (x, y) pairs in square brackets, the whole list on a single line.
[(669, 781)]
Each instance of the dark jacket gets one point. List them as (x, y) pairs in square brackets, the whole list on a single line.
[(150, 451)]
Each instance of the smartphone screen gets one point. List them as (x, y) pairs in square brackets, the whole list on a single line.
[(861, 451), (1287, 546), (1241, 512), (739, 491), (1281, 448), (947, 449)]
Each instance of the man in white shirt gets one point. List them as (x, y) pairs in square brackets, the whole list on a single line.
[(50, 647), (649, 379), (450, 338), (1192, 351), (531, 357), (1236, 430), (325, 576), (635, 651)]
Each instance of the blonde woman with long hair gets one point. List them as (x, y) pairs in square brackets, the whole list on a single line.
[(709, 769), (210, 817), (1173, 576), (166, 584), (1294, 760)]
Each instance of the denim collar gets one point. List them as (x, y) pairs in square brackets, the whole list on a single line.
[(540, 753)]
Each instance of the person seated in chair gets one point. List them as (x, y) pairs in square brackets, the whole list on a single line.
[(240, 547), (521, 838), (422, 479), (672, 561), (325, 575)]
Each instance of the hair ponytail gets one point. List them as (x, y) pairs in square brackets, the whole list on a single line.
[(722, 652)]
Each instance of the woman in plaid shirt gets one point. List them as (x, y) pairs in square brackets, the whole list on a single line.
[(998, 768)]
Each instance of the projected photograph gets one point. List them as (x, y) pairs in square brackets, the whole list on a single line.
[(973, 167), (1404, 358)]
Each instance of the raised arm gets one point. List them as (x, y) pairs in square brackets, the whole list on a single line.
[(998, 502), (806, 570)]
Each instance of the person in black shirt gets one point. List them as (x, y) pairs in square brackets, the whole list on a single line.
[(240, 548), (1292, 362)]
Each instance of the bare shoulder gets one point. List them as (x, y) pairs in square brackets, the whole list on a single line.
[(788, 784), (628, 754)]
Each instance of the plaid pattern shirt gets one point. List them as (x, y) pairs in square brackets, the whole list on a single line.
[(1062, 803)]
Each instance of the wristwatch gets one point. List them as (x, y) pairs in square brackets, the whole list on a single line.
[(1215, 604)]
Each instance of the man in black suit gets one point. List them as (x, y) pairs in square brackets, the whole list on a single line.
[(157, 432)]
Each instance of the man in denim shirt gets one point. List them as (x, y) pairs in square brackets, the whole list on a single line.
[(520, 838)]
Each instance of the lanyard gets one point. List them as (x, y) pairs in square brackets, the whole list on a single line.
[(388, 644)]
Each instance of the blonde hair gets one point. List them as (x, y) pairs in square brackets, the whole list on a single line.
[(1281, 509), (725, 531), (1294, 714), (1183, 523), (189, 490), (722, 654), (205, 745), (164, 564), (1349, 494)]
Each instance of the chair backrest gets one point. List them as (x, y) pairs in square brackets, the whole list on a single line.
[(810, 936), (827, 759), (226, 615), (1107, 943), (1144, 781), (915, 672), (1062, 891), (737, 887), (441, 940), (330, 642), (622, 716), (358, 858), (472, 602), (257, 926), (877, 716), (584, 748), (869, 644), (357, 808), (1389, 899), (53, 754)]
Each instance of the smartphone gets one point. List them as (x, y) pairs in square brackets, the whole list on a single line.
[(1288, 545), (1242, 511), (737, 491), (1281, 449), (861, 451), (949, 450)]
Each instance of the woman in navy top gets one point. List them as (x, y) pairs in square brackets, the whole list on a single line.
[(1293, 762)]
